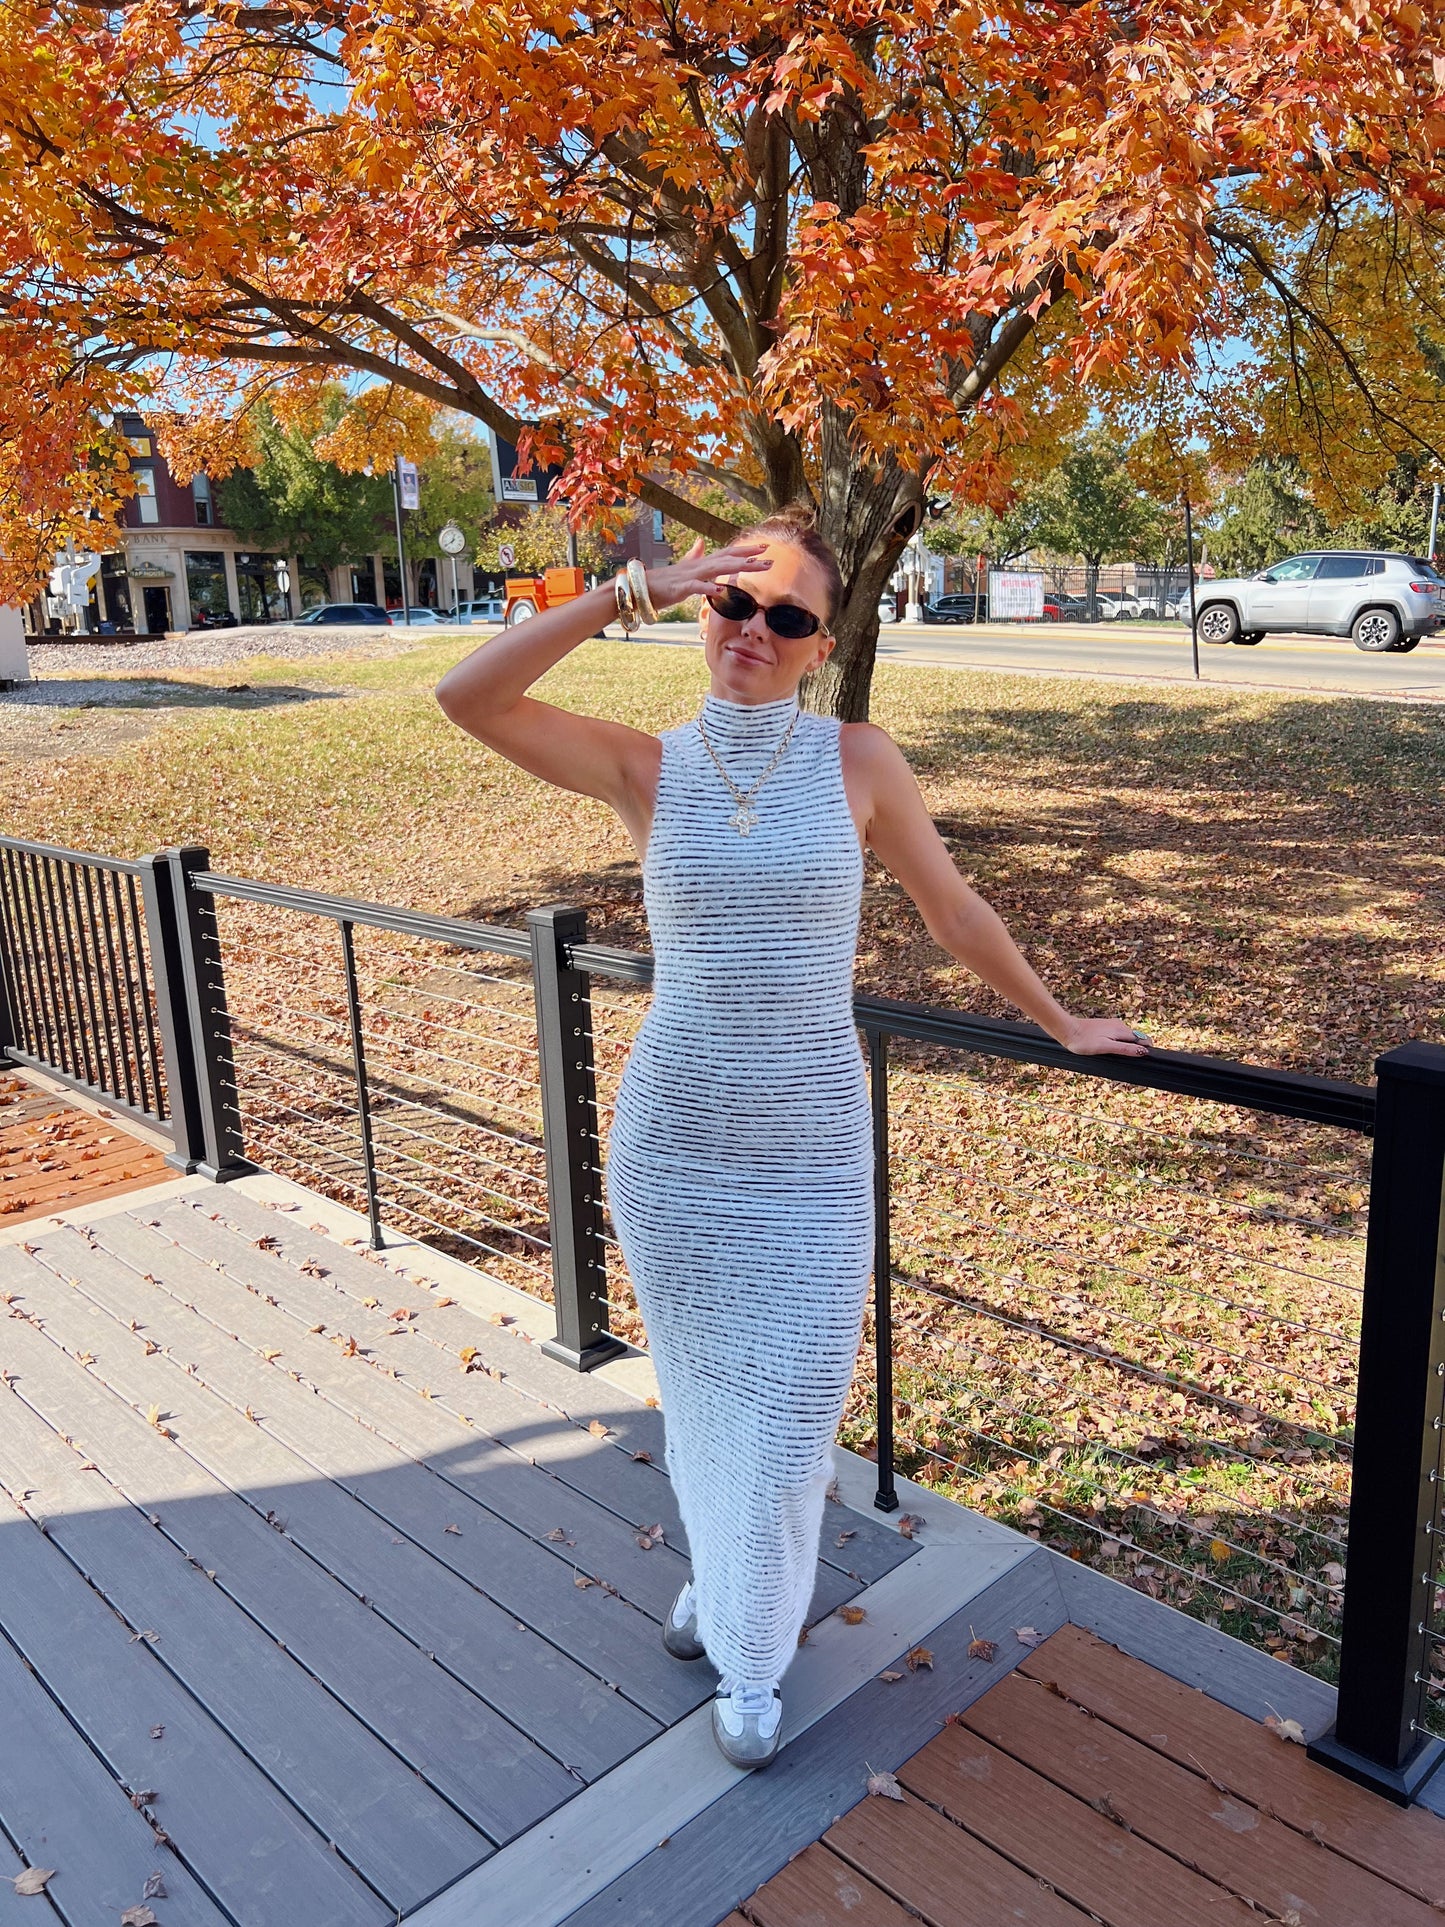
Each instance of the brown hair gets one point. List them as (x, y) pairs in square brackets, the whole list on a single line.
[(796, 524)]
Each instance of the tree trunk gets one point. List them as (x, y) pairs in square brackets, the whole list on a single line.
[(867, 514)]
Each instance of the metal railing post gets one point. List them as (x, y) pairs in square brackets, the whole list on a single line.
[(1396, 1547), (363, 1088), (569, 1134), (886, 1499), (166, 946), (199, 988)]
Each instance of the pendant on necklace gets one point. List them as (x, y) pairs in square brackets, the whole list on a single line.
[(743, 819)]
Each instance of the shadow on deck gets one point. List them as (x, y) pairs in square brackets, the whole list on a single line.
[(331, 1600)]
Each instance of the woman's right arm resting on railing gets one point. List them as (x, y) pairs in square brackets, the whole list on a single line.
[(485, 694)]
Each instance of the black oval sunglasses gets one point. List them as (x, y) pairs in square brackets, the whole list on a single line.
[(783, 618)]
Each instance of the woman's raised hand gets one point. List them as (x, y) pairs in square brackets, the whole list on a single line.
[(701, 574)]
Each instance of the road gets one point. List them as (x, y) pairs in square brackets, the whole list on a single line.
[(1155, 652)]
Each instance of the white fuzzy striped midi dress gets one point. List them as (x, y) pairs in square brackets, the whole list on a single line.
[(740, 1162)]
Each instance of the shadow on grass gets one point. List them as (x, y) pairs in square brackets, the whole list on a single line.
[(155, 692)]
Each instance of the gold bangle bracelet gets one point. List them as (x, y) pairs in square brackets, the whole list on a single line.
[(626, 601), (637, 582)]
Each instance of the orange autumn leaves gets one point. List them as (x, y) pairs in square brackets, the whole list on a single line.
[(769, 239)]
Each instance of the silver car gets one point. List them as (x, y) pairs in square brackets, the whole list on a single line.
[(1383, 601)]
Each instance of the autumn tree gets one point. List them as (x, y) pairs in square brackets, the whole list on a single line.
[(856, 251)]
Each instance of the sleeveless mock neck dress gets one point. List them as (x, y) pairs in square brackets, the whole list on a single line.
[(740, 1161)]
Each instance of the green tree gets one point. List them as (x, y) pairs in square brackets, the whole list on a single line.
[(297, 503), (539, 541), (456, 486), (972, 531), (1091, 506), (1260, 518)]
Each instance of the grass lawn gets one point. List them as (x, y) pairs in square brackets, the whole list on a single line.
[(1125, 1322)]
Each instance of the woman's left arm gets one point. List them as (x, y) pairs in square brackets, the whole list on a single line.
[(904, 836)]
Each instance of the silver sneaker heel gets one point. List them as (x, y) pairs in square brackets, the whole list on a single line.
[(747, 1723), (679, 1635)]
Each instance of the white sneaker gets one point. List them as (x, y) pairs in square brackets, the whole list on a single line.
[(746, 1721), (679, 1629)]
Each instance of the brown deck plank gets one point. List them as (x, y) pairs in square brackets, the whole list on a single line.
[(93, 1156), (817, 1889), (1227, 1839), (1091, 1860), (1405, 1845), (943, 1873)]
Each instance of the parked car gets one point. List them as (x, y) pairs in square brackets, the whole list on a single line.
[(432, 616), (1381, 599), (1065, 608), (483, 609), (964, 607), (1128, 607), (347, 612), (888, 609)]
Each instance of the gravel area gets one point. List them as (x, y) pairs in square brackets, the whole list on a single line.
[(210, 649)]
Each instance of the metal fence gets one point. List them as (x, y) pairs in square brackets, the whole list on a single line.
[(1179, 1317)]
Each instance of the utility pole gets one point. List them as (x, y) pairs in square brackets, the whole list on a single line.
[(1193, 613), (405, 490), (1434, 522)]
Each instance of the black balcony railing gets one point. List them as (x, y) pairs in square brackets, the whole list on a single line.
[(1119, 1302)]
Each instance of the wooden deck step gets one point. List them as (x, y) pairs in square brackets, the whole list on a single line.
[(820, 1886), (1234, 1843), (55, 1157), (1086, 1785), (1405, 1845)]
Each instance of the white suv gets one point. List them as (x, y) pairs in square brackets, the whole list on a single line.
[(1383, 601)]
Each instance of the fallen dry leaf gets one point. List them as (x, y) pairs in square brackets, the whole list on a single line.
[(1284, 1729), (645, 1457), (456, 1529), (909, 1523), (138, 1917), (581, 1581), (313, 1268), (890, 1677), (271, 1351), (158, 1732), (559, 1537), (502, 1318), (885, 1786), (984, 1649), (843, 1537), (1029, 1636), (32, 1880), (597, 1429), (154, 1889), (917, 1656), (445, 1301), (371, 1304), (852, 1615), (650, 1399)]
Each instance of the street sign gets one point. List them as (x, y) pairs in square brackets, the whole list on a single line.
[(408, 482), (451, 541), (529, 490), (507, 555)]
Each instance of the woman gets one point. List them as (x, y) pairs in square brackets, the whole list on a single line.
[(739, 1169)]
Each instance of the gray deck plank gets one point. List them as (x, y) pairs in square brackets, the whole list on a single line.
[(422, 1471), (428, 1603), (490, 1474), (472, 1750), (398, 1834), (639, 1490), (255, 1853), (713, 1863), (66, 1811)]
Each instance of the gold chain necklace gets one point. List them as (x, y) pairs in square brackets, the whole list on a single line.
[(744, 818)]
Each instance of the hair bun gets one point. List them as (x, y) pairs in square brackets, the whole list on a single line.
[(797, 515)]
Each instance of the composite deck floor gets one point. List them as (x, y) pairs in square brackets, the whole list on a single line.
[(1087, 1786), (318, 1588)]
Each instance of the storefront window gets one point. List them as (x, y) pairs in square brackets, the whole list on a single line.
[(201, 496), (363, 582), (391, 583), (315, 586), (260, 596), (145, 494), (206, 584)]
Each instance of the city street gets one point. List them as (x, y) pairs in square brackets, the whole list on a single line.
[(1158, 652)]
